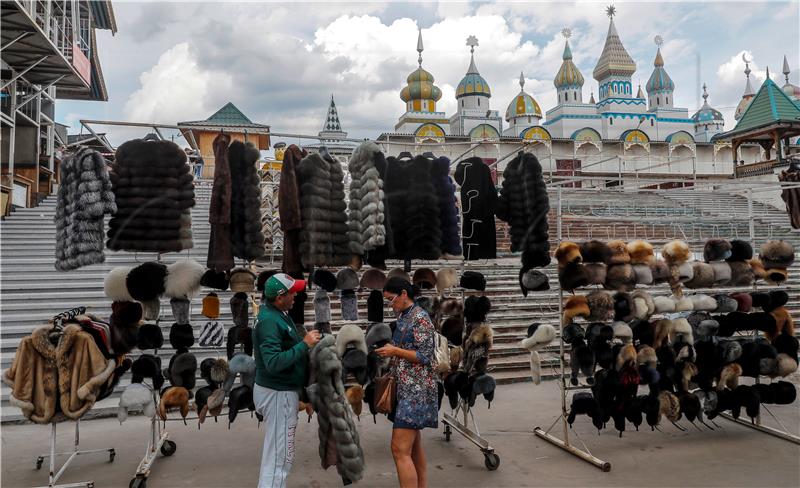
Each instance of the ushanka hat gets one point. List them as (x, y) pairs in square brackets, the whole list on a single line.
[(240, 398), (740, 251), (217, 280), (373, 279), (149, 336), (324, 279), (425, 278), (244, 366), (398, 273), (473, 280), (182, 370), (568, 253), (641, 252), (183, 279), (533, 280), (124, 326), (175, 398), (776, 254), (146, 281), (243, 280), (147, 366), (595, 251), (322, 306), (619, 252), (240, 309), (349, 304), (595, 273), (180, 309), (136, 395), (539, 335), (570, 276), (446, 278), (346, 279), (181, 336), (717, 250), (115, 285)]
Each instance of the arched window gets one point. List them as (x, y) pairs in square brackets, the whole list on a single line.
[(529, 119), (462, 102), (651, 122), (575, 96), (667, 100), (658, 100), (479, 102), (610, 121)]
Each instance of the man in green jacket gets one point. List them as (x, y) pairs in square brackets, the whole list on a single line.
[(281, 364)]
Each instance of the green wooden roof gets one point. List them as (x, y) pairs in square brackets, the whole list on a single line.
[(770, 105), (227, 116)]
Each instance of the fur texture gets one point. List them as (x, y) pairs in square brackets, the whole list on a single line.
[(595, 273), (350, 335), (247, 240), (681, 329), (669, 406), (175, 398), (183, 279), (722, 273), (776, 254), (620, 277), (533, 280), (448, 213), (643, 274), (660, 270), (220, 252), (542, 335), (572, 275), (740, 251), (425, 278), (663, 304), (641, 252), (575, 306), (729, 377), (703, 303), (702, 276), (601, 306), (366, 218), (595, 251), (414, 210), (676, 252), (136, 396), (446, 278), (717, 250), (478, 204), (643, 305), (567, 253), (619, 252), (146, 281), (115, 284), (783, 321)]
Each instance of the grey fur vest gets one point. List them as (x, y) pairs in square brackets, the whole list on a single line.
[(366, 217), (84, 197), (334, 414)]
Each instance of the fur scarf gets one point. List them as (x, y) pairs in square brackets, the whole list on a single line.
[(334, 416), (448, 213), (246, 236), (220, 252), (84, 197), (366, 216)]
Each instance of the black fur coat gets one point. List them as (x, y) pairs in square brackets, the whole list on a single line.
[(478, 201), (246, 236), (153, 189), (448, 213), (413, 208), (289, 208), (220, 251)]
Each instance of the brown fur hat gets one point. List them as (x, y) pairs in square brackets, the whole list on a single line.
[(623, 306), (373, 279), (595, 273), (644, 274), (647, 357), (601, 306), (176, 397), (729, 376), (619, 252), (620, 277), (669, 406), (776, 254), (783, 321), (575, 306), (626, 356), (568, 252), (595, 251), (757, 267), (776, 276), (660, 271), (664, 328), (716, 250), (702, 276), (722, 273), (425, 278), (641, 252), (571, 276), (676, 252), (741, 273)]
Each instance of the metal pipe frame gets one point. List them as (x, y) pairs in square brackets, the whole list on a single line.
[(21, 73), (53, 475), (762, 428)]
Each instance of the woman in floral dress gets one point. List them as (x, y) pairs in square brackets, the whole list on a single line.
[(412, 347)]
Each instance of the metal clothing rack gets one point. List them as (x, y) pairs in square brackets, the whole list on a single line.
[(75, 452)]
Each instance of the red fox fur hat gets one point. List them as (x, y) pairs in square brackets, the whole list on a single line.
[(641, 252), (619, 252), (568, 252), (676, 252), (575, 306)]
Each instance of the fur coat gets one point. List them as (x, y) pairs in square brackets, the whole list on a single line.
[(448, 213), (289, 208), (153, 189), (413, 208), (220, 252), (478, 202), (323, 239), (365, 219), (66, 377), (791, 196), (246, 236), (338, 438), (84, 197), (524, 204), (377, 257)]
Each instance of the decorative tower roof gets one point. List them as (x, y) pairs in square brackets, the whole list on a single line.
[(615, 60), (472, 83), (640, 93), (659, 80), (748, 94), (523, 104), (792, 90), (568, 74), (332, 129), (420, 82), (706, 113)]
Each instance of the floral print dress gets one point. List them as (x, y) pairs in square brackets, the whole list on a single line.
[(417, 397)]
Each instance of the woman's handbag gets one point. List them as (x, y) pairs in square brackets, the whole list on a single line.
[(441, 353), (385, 393)]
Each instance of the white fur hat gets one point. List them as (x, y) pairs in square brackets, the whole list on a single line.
[(685, 304), (664, 304), (682, 327), (183, 279), (115, 285), (622, 331), (350, 334), (643, 304), (136, 395), (703, 303), (541, 335)]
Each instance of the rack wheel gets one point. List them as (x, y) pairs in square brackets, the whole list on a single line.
[(39, 462), (111, 455), (90, 485), (168, 448), (138, 483), (492, 461)]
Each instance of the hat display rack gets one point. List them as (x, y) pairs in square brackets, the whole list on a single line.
[(568, 435)]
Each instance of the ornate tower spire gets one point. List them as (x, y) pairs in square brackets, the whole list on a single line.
[(420, 47), (568, 80), (521, 81), (748, 88), (472, 41), (786, 69), (615, 66), (332, 129)]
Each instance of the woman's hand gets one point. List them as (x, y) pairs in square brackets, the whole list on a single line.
[(386, 351)]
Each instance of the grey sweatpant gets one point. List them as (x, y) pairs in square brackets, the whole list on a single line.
[(279, 409)]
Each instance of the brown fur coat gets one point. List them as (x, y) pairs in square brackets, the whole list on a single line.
[(289, 208), (71, 373), (220, 248)]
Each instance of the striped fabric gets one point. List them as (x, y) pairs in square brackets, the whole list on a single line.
[(212, 334)]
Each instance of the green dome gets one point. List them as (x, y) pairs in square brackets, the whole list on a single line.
[(420, 87)]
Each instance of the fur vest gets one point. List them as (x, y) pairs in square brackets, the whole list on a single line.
[(524, 204), (84, 197), (413, 208), (289, 208), (448, 213), (323, 239), (220, 252), (366, 230), (65, 378), (338, 438), (153, 189), (246, 235), (478, 201)]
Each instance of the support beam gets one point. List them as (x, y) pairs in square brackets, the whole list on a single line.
[(11, 42), (21, 73)]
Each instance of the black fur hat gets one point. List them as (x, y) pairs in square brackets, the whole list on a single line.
[(775, 299), (181, 336), (481, 384), (595, 251), (217, 280), (240, 398), (378, 334), (146, 281), (354, 362), (375, 306), (747, 397), (572, 276), (473, 280), (740, 250), (584, 403), (240, 306), (182, 370), (201, 397), (454, 383), (124, 338), (147, 366), (476, 308), (149, 336), (643, 332), (453, 329), (623, 306), (125, 314), (263, 277), (716, 250), (786, 344), (324, 279), (690, 406), (783, 392), (533, 280), (298, 311)]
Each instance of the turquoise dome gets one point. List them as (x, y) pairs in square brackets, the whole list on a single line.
[(473, 84)]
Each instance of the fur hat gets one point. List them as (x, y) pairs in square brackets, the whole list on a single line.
[(575, 306), (776, 276), (355, 398), (214, 370), (663, 329), (623, 306), (240, 398), (180, 309), (453, 384), (570, 333), (453, 329), (595, 251), (147, 366), (740, 251), (722, 273), (125, 314), (619, 252), (217, 280), (240, 309), (620, 277), (446, 278), (595, 273), (263, 276), (643, 273), (182, 370), (375, 306), (641, 252), (151, 309), (729, 351), (426, 303), (623, 332), (243, 280), (175, 397), (684, 304), (322, 306), (136, 395), (476, 308), (786, 365), (346, 279), (703, 303), (643, 305), (473, 280), (213, 405), (183, 279), (744, 302), (379, 334), (741, 273), (707, 329), (149, 336), (683, 272), (570, 276), (425, 278), (717, 250), (373, 279), (676, 252), (660, 270), (702, 276), (398, 273), (664, 304), (725, 304), (747, 397), (539, 335), (482, 384), (242, 365), (681, 328), (568, 253), (646, 357), (776, 299), (354, 362), (783, 322), (350, 335), (776, 254), (786, 344), (669, 406), (601, 306), (146, 281), (584, 403), (533, 280), (349, 304), (783, 392), (115, 284), (210, 306), (324, 279)]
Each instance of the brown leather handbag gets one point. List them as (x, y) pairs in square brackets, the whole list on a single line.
[(386, 393)]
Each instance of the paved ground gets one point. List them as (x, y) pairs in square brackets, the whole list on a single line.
[(216, 456)]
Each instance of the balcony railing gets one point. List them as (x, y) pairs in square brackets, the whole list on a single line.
[(61, 22)]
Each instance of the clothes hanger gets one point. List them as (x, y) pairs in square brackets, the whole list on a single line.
[(323, 151), (404, 155), (429, 155), (471, 194)]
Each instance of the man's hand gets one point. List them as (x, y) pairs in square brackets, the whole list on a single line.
[(386, 351), (311, 338)]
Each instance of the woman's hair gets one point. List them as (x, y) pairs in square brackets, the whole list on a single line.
[(398, 285)]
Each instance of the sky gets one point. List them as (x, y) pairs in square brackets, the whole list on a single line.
[(279, 63)]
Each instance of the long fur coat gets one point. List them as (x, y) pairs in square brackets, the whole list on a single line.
[(478, 202), (413, 208), (524, 204), (289, 208), (220, 252), (84, 197), (448, 213), (366, 212), (153, 188), (246, 235), (339, 443), (323, 239), (69, 376)]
